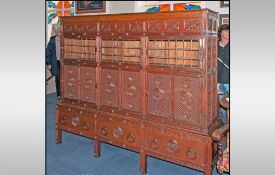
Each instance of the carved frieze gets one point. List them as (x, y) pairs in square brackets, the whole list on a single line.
[(106, 27), (136, 26), (192, 25), (172, 25), (154, 26)]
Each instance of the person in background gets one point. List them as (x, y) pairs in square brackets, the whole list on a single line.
[(53, 56), (223, 64)]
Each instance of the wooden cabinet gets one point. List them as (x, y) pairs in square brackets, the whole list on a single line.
[(145, 82)]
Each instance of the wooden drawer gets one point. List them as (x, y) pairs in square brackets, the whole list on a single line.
[(121, 132), (77, 121), (175, 145)]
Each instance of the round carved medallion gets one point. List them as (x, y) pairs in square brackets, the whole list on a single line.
[(117, 132)]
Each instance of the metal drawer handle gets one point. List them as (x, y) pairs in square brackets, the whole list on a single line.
[(155, 144), (112, 85), (86, 125), (69, 84), (131, 138), (64, 120), (108, 90), (191, 154), (104, 131), (130, 94), (75, 121)]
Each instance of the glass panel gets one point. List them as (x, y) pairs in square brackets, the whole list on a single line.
[(72, 3), (68, 13), (52, 17), (52, 5), (67, 4)]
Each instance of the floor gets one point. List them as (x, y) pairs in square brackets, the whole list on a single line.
[(75, 155)]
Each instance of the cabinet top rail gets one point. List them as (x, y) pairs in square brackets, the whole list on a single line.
[(139, 16)]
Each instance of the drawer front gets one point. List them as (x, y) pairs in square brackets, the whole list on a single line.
[(175, 144), (77, 121), (119, 131), (88, 82)]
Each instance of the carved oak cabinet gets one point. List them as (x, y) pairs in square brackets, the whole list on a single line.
[(145, 82)]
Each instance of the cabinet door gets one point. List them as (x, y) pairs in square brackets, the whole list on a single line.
[(70, 82), (109, 91), (187, 99), (131, 92), (87, 87), (159, 92)]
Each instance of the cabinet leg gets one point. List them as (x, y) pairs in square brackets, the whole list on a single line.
[(58, 136), (97, 148), (143, 163), (208, 170)]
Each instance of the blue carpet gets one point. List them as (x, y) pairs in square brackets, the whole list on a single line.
[(75, 155)]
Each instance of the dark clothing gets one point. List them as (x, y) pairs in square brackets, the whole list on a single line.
[(57, 80), (223, 71), (51, 56), (55, 64)]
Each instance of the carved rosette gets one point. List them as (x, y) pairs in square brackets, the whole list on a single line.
[(117, 132), (192, 25)]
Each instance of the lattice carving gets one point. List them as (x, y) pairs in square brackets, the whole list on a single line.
[(172, 25), (88, 81), (210, 22), (192, 24), (131, 91), (158, 94), (136, 26), (154, 26), (106, 27), (120, 27), (67, 28), (215, 25), (109, 91), (92, 27), (187, 104)]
